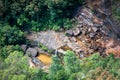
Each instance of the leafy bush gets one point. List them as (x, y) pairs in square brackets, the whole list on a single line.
[(13, 67), (44, 48), (55, 67), (40, 14), (92, 67), (70, 68), (108, 63), (71, 63), (6, 50), (10, 35), (13, 70)]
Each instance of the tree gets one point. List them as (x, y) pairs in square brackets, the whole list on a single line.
[(71, 63), (55, 67), (12, 67), (6, 50), (10, 35), (61, 75)]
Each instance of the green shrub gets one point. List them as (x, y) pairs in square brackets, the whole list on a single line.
[(16, 67), (44, 48), (13, 67), (41, 14), (92, 67), (71, 63), (55, 67), (70, 68), (10, 35), (6, 50)]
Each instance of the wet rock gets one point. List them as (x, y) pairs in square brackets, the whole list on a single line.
[(37, 62), (82, 54), (83, 32), (61, 51), (31, 52), (31, 64), (109, 43), (73, 39), (112, 46), (97, 25), (66, 39), (79, 26), (69, 33), (89, 29), (85, 21), (34, 43), (24, 47), (115, 51), (76, 32), (97, 20), (92, 35), (87, 13), (95, 29), (51, 39)]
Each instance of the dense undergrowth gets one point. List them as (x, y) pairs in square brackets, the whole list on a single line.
[(39, 14), (70, 68)]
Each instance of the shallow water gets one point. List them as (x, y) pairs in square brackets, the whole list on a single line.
[(46, 59)]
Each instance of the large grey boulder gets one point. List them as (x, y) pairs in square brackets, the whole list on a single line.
[(51, 39), (31, 52), (23, 47)]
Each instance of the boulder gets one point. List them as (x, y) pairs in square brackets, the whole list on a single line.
[(23, 47), (34, 43), (37, 62), (76, 32), (51, 39), (31, 52), (92, 35), (31, 64), (69, 33), (95, 29)]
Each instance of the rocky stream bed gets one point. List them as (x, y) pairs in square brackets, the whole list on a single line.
[(93, 33)]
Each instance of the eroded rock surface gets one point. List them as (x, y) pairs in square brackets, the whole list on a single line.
[(51, 39)]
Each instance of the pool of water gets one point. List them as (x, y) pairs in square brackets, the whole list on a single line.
[(46, 59)]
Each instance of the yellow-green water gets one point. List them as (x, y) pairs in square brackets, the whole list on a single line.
[(46, 59)]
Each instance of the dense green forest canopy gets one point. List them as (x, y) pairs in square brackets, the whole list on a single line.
[(39, 14), (73, 69)]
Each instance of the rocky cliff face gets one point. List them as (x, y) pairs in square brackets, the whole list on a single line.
[(99, 27), (103, 10)]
